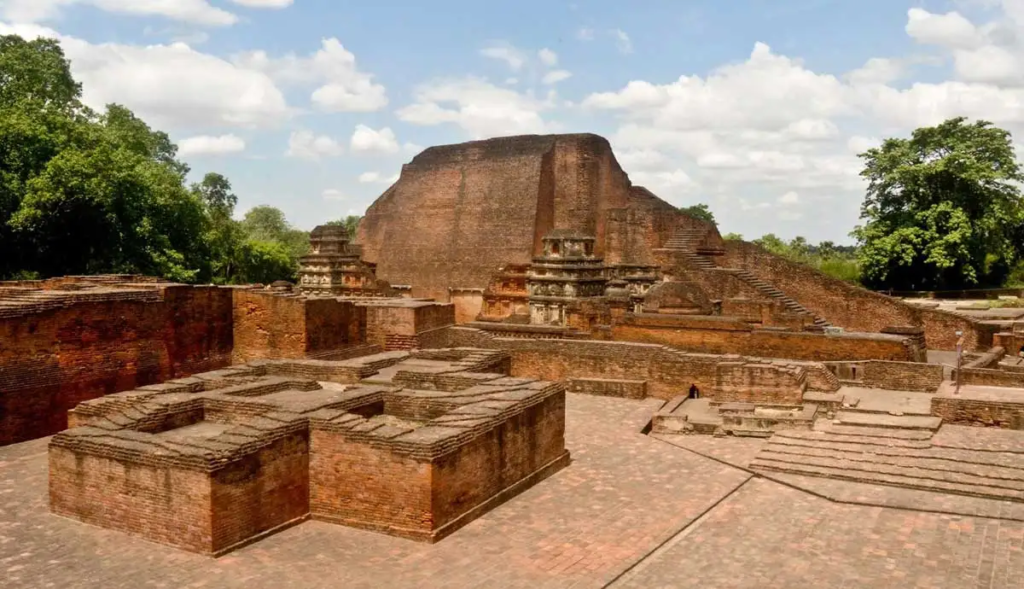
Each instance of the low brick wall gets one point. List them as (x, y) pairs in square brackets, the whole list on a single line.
[(193, 509), (426, 498), (957, 410), (668, 372), (608, 387), (897, 376), (990, 377), (744, 382), (726, 335)]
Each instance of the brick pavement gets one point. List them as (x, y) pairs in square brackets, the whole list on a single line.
[(769, 536), (624, 496)]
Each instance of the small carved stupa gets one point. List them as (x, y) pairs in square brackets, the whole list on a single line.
[(333, 266), (567, 270)]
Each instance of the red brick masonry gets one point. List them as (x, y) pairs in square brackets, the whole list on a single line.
[(217, 460)]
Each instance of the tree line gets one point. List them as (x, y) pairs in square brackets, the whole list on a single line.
[(943, 211), (86, 192)]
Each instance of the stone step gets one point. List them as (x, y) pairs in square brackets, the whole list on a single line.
[(907, 450), (883, 420), (887, 479), (917, 476), (880, 432), (923, 462), (814, 437)]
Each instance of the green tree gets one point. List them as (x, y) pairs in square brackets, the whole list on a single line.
[(943, 208), (700, 211), (350, 223), (732, 237), (263, 262)]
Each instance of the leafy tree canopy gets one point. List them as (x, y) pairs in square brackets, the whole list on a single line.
[(700, 211), (83, 192), (943, 208)]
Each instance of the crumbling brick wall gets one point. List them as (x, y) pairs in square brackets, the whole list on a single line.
[(850, 306), (53, 359), (727, 335), (668, 373)]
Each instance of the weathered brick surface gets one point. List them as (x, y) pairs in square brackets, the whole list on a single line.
[(53, 359), (398, 324), (850, 306), (608, 387), (724, 335), (668, 373), (896, 376), (744, 382), (269, 325)]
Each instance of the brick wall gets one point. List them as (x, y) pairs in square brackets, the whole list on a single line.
[(165, 504), (608, 387), (743, 382), (1006, 414), (849, 306), (896, 376), (263, 491), (267, 325), (668, 373), (356, 484), (992, 377), (404, 326), (506, 455), (51, 360), (724, 335)]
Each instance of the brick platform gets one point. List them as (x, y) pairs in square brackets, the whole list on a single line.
[(220, 459)]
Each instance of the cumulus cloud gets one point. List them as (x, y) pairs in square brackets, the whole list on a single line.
[(340, 86), (367, 140), (211, 145), (507, 53), (556, 76), (548, 57), (199, 12), (479, 107), (332, 194), (170, 86), (307, 145)]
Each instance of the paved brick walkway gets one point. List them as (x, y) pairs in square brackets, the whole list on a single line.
[(624, 496), (769, 536)]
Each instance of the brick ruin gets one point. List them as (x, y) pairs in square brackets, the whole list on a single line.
[(475, 224), (410, 444), (415, 379)]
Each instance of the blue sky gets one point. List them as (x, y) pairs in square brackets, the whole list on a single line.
[(313, 105)]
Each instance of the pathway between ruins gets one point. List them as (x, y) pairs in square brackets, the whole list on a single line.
[(631, 511)]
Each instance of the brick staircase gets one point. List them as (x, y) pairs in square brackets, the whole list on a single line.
[(894, 454), (688, 243)]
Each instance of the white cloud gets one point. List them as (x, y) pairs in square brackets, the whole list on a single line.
[(199, 12), (790, 198), (170, 86), (479, 107), (622, 41), (585, 34), (367, 140), (548, 57), (341, 85), (377, 178), (507, 53), (947, 30), (877, 70), (264, 3), (307, 145), (556, 76), (332, 194), (210, 145)]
